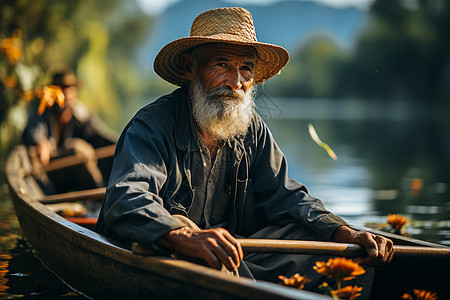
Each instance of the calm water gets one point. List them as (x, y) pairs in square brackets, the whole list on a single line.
[(390, 160)]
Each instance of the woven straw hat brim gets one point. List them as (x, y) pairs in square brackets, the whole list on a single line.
[(270, 58)]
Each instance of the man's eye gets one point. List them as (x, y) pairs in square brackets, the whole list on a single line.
[(223, 65), (247, 68)]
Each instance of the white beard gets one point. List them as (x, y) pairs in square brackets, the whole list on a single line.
[(222, 118)]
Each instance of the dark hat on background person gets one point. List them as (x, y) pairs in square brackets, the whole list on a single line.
[(65, 79), (230, 25)]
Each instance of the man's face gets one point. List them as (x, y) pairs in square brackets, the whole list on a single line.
[(70, 96), (225, 65), (222, 90)]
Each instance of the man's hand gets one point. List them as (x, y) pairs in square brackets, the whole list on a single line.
[(379, 248), (215, 246), (44, 152)]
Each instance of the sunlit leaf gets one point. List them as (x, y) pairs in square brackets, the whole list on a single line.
[(11, 48), (316, 139), (49, 95)]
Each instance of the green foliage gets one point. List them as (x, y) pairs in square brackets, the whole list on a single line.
[(402, 54), (309, 73), (97, 39)]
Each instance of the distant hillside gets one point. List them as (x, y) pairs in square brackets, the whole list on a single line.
[(285, 23)]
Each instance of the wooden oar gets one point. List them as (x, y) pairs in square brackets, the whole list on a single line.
[(74, 160), (93, 194), (334, 249), (319, 248)]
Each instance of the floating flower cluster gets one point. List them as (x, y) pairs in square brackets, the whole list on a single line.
[(295, 281), (348, 292), (339, 268), (420, 295), (397, 222)]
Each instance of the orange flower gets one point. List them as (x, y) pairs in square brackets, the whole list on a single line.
[(420, 295), (348, 292), (339, 268), (50, 95), (397, 222), (295, 281), (11, 47), (416, 186), (28, 96), (9, 82)]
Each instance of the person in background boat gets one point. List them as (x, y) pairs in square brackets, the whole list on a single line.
[(72, 129), (198, 168)]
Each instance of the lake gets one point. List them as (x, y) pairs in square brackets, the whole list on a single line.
[(392, 158)]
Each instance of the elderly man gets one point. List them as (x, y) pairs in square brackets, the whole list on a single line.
[(199, 167)]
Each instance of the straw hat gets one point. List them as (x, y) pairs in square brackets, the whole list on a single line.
[(231, 25)]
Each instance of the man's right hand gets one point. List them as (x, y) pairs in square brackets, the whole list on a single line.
[(216, 246), (44, 152)]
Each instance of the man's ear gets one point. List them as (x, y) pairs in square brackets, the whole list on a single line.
[(188, 66)]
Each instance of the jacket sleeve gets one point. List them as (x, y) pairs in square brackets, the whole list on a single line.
[(36, 131), (282, 199), (133, 209)]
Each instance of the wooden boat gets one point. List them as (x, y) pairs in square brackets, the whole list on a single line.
[(99, 268)]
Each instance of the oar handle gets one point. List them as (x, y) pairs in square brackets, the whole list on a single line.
[(332, 248), (416, 251), (73, 160), (301, 247), (92, 194)]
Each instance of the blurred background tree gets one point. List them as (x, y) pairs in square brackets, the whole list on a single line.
[(97, 39), (403, 53)]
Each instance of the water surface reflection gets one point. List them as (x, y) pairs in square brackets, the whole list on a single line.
[(385, 164)]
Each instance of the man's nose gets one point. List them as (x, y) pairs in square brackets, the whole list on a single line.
[(234, 79)]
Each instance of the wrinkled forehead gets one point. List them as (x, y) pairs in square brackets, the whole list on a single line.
[(207, 52)]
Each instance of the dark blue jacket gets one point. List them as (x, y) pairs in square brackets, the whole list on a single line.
[(151, 179)]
